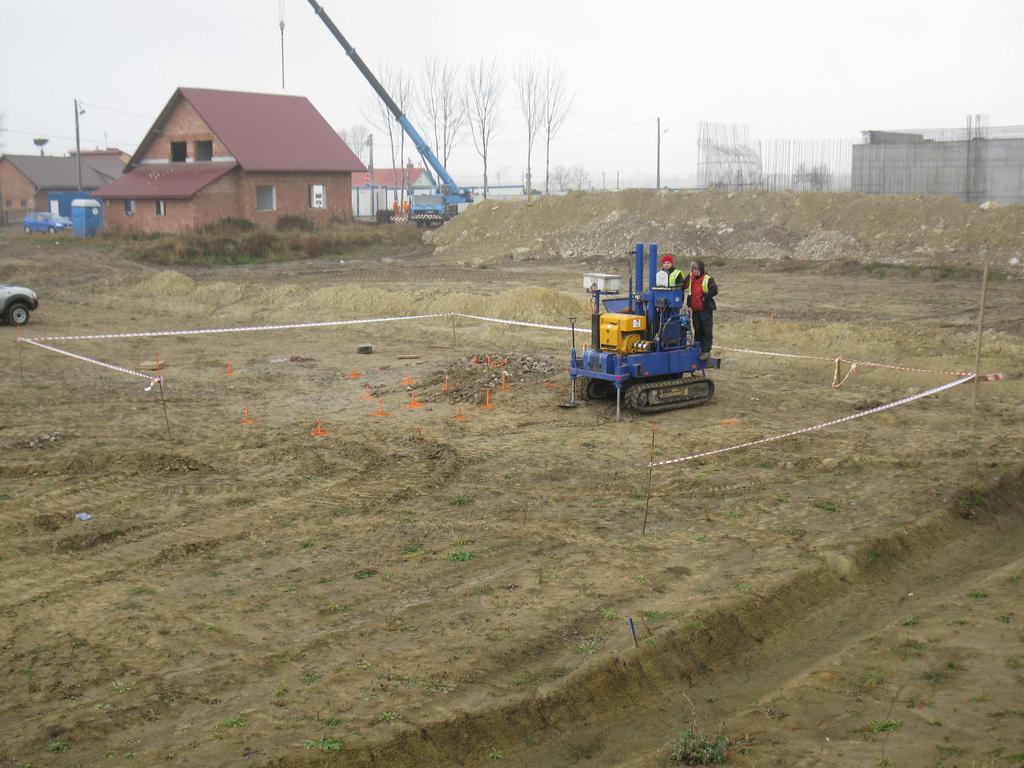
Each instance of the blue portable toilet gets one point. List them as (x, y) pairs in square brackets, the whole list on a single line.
[(86, 218)]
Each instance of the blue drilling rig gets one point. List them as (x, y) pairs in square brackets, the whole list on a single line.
[(640, 351)]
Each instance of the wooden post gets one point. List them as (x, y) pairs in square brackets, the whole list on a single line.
[(650, 476), (17, 343), (981, 324), (453, 331)]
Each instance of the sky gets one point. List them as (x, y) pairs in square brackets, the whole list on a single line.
[(785, 69)]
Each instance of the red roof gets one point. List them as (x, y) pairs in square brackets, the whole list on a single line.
[(165, 181), (265, 132)]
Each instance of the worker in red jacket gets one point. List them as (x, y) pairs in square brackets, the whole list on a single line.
[(701, 301)]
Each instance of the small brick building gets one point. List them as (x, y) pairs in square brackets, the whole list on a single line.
[(29, 182), (212, 155)]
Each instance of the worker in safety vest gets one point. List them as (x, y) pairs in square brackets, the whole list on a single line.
[(395, 209), (405, 207), (675, 276), (701, 302)]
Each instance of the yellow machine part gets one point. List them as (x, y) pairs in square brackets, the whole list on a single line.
[(619, 332)]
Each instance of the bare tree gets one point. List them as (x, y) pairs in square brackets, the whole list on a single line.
[(355, 137), (556, 105), (376, 112), (445, 110), (484, 88), (579, 176), (529, 81), (561, 176)]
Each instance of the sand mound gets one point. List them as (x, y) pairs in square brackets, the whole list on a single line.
[(750, 225)]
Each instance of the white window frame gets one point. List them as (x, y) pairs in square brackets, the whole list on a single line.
[(273, 198), (129, 207), (161, 208), (323, 196)]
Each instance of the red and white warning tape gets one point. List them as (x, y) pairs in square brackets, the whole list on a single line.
[(522, 323), (151, 379), (823, 425), (243, 329)]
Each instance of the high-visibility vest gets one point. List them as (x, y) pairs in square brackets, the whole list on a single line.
[(675, 276)]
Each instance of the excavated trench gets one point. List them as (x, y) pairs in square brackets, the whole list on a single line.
[(623, 710)]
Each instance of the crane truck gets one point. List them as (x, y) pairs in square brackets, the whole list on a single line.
[(424, 210)]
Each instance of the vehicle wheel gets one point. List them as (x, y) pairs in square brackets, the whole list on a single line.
[(28, 230), (51, 230), (17, 314)]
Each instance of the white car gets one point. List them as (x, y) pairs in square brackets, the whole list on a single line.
[(16, 302)]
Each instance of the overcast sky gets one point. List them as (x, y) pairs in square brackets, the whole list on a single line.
[(788, 69)]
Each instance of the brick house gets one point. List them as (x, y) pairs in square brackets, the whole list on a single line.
[(32, 182), (212, 155)]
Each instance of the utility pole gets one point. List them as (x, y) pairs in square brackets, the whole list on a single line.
[(659, 154), (78, 144), (281, 24), (373, 187)]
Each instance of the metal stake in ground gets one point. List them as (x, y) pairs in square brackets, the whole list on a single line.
[(17, 343), (650, 477), (453, 331), (981, 323), (160, 381)]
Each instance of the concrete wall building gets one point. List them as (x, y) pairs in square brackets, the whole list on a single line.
[(987, 166), (212, 155)]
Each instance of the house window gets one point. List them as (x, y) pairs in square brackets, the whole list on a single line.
[(317, 196), (24, 203), (204, 151), (129, 207), (161, 209), (179, 151), (266, 198)]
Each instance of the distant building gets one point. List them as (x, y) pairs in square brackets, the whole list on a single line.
[(976, 164), (214, 154), (46, 183)]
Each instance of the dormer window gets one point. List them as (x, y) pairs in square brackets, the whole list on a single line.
[(203, 151), (179, 151)]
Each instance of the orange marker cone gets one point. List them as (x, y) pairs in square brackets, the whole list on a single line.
[(229, 371), (413, 402), (354, 374), (367, 394), (488, 405), (459, 415), (246, 419), (379, 411), (407, 381), (550, 385), (444, 387), (504, 382), (318, 432)]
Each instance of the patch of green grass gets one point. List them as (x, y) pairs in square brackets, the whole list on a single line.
[(701, 538), (654, 618), (409, 551), (588, 646), (213, 628), (884, 726), (698, 625), (461, 500), (609, 614), (365, 573), (460, 556), (826, 505), (913, 621), (745, 587), (233, 722), (1006, 618), (325, 744), (495, 755), (332, 722), (438, 684), (58, 746), (307, 544), (968, 500), (936, 677), (693, 748), (280, 691), (977, 594), (122, 686), (873, 678), (1015, 662), (310, 678), (142, 591), (640, 579), (388, 716)]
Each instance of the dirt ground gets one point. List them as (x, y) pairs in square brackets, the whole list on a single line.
[(416, 590)]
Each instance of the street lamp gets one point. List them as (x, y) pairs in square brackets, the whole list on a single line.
[(78, 143), (660, 134)]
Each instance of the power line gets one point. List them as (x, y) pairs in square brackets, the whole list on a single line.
[(68, 138), (111, 109)]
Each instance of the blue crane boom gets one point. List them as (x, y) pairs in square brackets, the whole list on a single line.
[(450, 188)]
